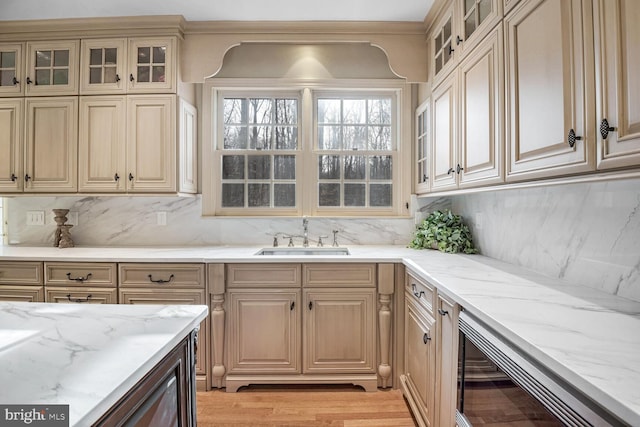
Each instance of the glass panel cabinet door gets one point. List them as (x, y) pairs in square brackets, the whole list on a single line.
[(102, 66), (443, 39), (152, 65), (477, 19), (423, 145), (52, 68), (11, 69)]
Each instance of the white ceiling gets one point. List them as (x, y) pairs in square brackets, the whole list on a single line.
[(214, 10)]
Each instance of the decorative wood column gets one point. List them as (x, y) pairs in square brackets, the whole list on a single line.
[(216, 286), (386, 286)]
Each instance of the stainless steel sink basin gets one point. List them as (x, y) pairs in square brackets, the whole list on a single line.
[(303, 251)]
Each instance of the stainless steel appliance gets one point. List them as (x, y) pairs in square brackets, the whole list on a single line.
[(498, 384)]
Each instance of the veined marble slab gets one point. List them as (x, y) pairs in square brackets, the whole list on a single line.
[(86, 356)]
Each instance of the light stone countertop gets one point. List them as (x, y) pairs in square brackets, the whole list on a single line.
[(86, 356), (586, 337)]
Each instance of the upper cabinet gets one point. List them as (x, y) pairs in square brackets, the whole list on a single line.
[(549, 131), (136, 65), (423, 147), (618, 82), (52, 68), (442, 38), (11, 144), (11, 69)]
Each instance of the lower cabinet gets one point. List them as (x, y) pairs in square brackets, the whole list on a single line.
[(21, 281), (80, 282)]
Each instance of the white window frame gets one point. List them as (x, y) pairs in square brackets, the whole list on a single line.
[(215, 89)]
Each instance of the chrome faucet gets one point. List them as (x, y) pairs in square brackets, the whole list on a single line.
[(305, 234)]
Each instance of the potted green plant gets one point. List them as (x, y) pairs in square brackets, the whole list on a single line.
[(444, 231)]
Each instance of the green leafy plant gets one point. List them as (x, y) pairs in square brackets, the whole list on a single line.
[(444, 231)]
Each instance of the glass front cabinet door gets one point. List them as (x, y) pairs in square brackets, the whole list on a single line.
[(152, 65), (423, 134), (52, 68), (11, 69), (102, 67)]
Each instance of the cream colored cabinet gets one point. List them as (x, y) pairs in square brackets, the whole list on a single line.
[(423, 147), (442, 40), (550, 128), (52, 68), (21, 281), (168, 284), (444, 130), (11, 145), (12, 69), (128, 65), (618, 82), (447, 361), (87, 283), (51, 140), (418, 379)]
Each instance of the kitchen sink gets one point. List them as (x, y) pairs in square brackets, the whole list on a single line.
[(303, 251)]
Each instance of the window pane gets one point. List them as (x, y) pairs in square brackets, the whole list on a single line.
[(354, 111), (468, 5), (329, 167), (144, 55), (158, 74), (380, 111), (485, 9), (43, 58), (43, 77), (95, 75), (232, 167), (354, 167), (60, 77), (61, 58), (110, 74), (354, 194), (380, 195), (259, 167), (380, 138), (287, 111), (259, 195), (159, 54), (329, 194), (329, 111), (6, 78), (355, 137), (95, 56), (260, 137), (470, 25), (329, 138), (286, 138), (235, 137), (111, 56), (143, 74), (260, 110), (233, 195), (284, 195), (380, 167), (284, 167), (7, 59), (446, 31), (235, 110)]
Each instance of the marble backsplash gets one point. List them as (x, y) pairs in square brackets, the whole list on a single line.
[(132, 221), (587, 234)]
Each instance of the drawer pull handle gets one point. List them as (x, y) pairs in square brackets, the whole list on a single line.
[(160, 280), (415, 291), (80, 300), (443, 312), (426, 338), (79, 278)]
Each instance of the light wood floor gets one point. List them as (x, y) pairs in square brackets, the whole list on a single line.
[(334, 406)]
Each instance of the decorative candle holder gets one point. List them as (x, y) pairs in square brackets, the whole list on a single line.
[(61, 218)]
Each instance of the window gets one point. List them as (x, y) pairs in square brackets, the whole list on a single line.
[(304, 151)]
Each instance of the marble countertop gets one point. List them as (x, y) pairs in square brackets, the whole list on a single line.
[(87, 356), (586, 337)]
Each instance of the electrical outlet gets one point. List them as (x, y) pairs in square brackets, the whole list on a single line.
[(161, 218), (35, 217), (479, 221)]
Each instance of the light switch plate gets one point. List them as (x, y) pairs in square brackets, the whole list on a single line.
[(161, 218), (35, 217)]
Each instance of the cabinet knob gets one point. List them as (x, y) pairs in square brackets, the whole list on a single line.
[(450, 170), (29, 81), (426, 338), (451, 50), (27, 178), (605, 128), (14, 178), (310, 305), (130, 176), (442, 312), (572, 138), (459, 168), (79, 278), (116, 177), (117, 78), (15, 81), (459, 40), (131, 78), (292, 306)]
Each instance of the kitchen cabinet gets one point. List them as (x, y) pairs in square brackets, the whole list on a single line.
[(444, 127), (128, 65), (91, 283), (21, 281), (447, 361), (11, 69), (423, 147), (442, 39), (617, 37), (52, 68), (168, 284), (418, 379), (550, 126), (11, 144)]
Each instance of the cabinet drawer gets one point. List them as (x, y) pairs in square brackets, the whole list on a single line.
[(21, 293), (20, 273), (162, 275), (420, 291), (339, 275), (82, 295), (85, 274), (263, 275)]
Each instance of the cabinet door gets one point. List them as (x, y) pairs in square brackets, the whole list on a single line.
[(419, 362), (102, 66), (443, 43), (188, 144), (481, 135), (101, 145), (51, 144), (22, 293), (339, 331), (444, 174), (547, 72), (11, 69), (152, 65), (81, 295), (11, 144), (423, 147), (447, 372), (264, 333), (151, 143), (52, 68), (618, 82), (477, 19)]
